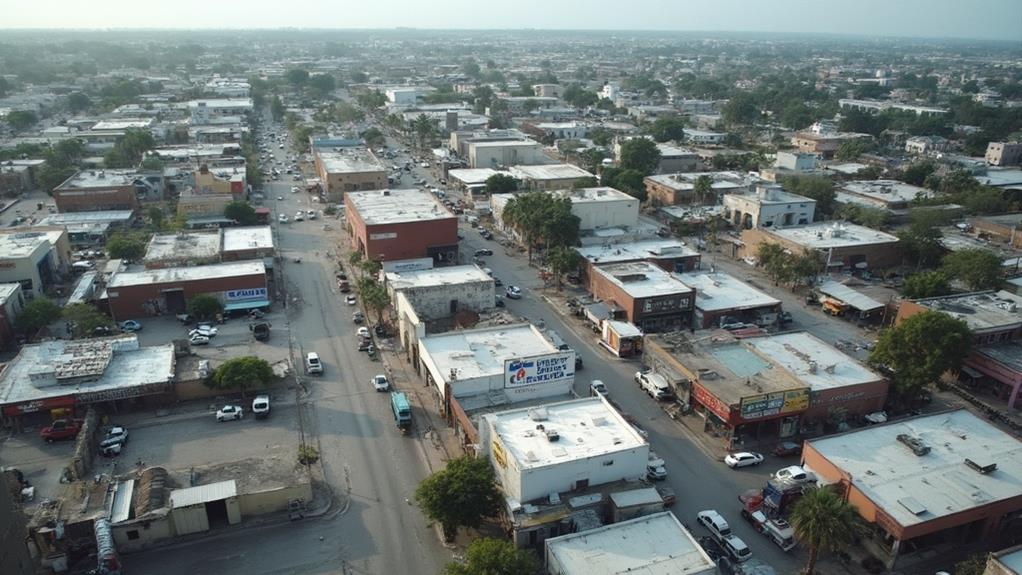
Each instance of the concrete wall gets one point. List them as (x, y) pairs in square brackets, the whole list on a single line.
[(877, 256), (435, 302), (128, 302), (96, 199), (274, 500), (405, 240), (513, 154), (856, 400), (609, 214), (144, 533)]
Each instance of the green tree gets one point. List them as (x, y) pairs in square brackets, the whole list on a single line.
[(152, 164), (851, 149), (241, 212), (824, 522), (740, 109), (124, 246), (424, 128), (84, 319), (129, 150), (870, 217), (600, 136), (639, 154), (921, 240), (539, 217), (592, 158), (323, 83), (917, 172), (977, 268), (582, 183), (818, 188), (241, 373), (20, 120), (702, 188), (345, 112), (501, 183), (921, 348), (925, 284), (631, 183), (974, 565), (562, 260), (376, 298), (774, 260), (471, 69), (77, 102), (297, 77), (277, 108), (373, 138), (204, 307), (493, 557), (37, 314), (155, 216), (667, 129), (359, 77), (460, 495), (578, 97)]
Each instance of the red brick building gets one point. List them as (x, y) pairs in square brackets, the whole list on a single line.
[(97, 191), (669, 255), (391, 225), (647, 296), (148, 293)]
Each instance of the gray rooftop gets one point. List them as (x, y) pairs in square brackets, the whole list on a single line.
[(914, 489), (349, 160), (183, 246), (641, 279), (981, 311), (453, 275), (644, 250), (22, 243), (549, 172), (179, 274), (824, 235), (99, 179), (720, 291), (247, 238), (379, 207), (481, 352), (818, 364)]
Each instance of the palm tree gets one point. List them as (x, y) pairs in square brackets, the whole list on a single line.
[(703, 187), (823, 520)]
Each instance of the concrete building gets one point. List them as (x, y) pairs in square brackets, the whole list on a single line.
[(547, 90), (389, 225), (768, 207), (655, 543), (561, 130), (669, 255), (343, 170), (499, 154), (471, 180), (874, 106), (1003, 228), (560, 447), (672, 189), (704, 137), (404, 95), (89, 228), (598, 209), (722, 298), (208, 111), (823, 144), (73, 374), (1004, 153), (96, 191), (460, 139), (193, 203), (549, 177), (890, 195), (247, 243), (517, 105), (646, 295), (12, 300), (839, 245), (927, 484), (675, 159), (141, 294), (176, 249), (923, 145), (34, 257), (221, 180), (795, 162), (229, 88)]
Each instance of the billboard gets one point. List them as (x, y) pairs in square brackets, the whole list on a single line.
[(245, 294), (777, 403), (541, 369)]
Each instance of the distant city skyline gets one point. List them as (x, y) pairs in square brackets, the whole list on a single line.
[(978, 19)]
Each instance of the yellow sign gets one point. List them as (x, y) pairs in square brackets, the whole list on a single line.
[(498, 454)]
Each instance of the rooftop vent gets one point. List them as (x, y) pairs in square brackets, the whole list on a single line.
[(386, 192), (552, 435), (984, 469), (539, 414), (914, 443)]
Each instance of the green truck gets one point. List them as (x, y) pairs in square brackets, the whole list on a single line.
[(402, 411)]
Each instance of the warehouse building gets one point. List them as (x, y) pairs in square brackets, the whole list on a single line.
[(391, 225), (645, 295), (724, 299), (838, 245), (35, 257)]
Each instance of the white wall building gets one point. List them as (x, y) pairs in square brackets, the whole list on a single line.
[(769, 206), (504, 153), (207, 110), (795, 161), (596, 208), (560, 447)]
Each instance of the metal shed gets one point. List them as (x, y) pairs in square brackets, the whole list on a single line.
[(856, 299), (196, 509)]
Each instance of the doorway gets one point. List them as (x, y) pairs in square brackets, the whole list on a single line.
[(216, 514)]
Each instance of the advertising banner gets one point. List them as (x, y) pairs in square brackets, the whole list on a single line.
[(777, 403), (546, 369), (245, 294)]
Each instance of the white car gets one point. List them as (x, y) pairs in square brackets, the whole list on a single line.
[(363, 332), (114, 442), (299, 217), (351, 300), (380, 383), (714, 523), (795, 474), (282, 218), (131, 325), (513, 292), (198, 340), (742, 459), (295, 189), (311, 214), (205, 330), (597, 387), (229, 413)]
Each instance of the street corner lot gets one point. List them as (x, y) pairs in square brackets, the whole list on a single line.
[(199, 440), (233, 337)]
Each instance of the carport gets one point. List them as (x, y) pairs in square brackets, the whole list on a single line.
[(865, 304), (202, 507)]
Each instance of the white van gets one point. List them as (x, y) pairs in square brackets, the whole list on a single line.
[(736, 548), (312, 363), (83, 266), (261, 406)]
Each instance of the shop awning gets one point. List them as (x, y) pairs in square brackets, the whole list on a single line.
[(247, 304)]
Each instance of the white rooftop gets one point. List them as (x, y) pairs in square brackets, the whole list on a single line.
[(7, 290), (650, 249), (672, 151), (248, 238), (349, 160), (594, 195), (914, 489), (453, 275), (469, 176), (179, 274), (122, 124), (203, 494), (824, 235), (178, 246), (1011, 558), (651, 545), (62, 367), (379, 207), (100, 179), (886, 191), (721, 181), (71, 218), (21, 243), (588, 427), (641, 279), (222, 103), (481, 352), (720, 291), (505, 144), (549, 172), (980, 310), (816, 363)]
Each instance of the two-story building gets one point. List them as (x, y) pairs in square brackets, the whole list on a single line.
[(389, 225), (768, 207), (646, 295)]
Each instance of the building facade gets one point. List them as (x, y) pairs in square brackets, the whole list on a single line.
[(645, 294), (390, 225)]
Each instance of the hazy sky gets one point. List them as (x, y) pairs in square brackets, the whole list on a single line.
[(983, 19)]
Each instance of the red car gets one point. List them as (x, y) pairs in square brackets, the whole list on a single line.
[(61, 429)]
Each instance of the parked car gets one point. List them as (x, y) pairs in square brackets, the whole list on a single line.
[(131, 325), (312, 363), (114, 442), (497, 282), (714, 523), (282, 218), (60, 429), (380, 383), (597, 387), (363, 332), (351, 300), (311, 214), (513, 292), (358, 317), (743, 459), (736, 548), (229, 413), (261, 406), (261, 330), (656, 468), (197, 339), (299, 216), (711, 547), (364, 343), (484, 252), (875, 417), (204, 329), (654, 384), (787, 448), (795, 474)]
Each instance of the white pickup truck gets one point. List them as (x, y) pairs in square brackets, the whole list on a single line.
[(654, 384)]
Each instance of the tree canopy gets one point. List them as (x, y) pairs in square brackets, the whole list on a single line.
[(460, 495), (979, 269), (501, 183), (639, 154), (921, 348), (37, 314), (671, 128), (241, 212), (579, 97), (204, 306), (84, 319), (540, 217), (488, 556), (124, 246), (818, 188), (925, 284), (241, 373), (128, 151)]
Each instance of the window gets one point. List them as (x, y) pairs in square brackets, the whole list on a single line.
[(608, 463), (132, 535)]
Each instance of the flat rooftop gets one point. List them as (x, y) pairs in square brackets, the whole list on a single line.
[(824, 235), (505, 144), (981, 311), (549, 172), (651, 545), (767, 195), (721, 181), (915, 489), (72, 218), (124, 124), (810, 359), (100, 179), (670, 151), (379, 207), (886, 191), (469, 176), (22, 243), (1001, 177), (453, 275), (180, 246), (7, 291), (481, 352), (595, 195), (632, 251), (191, 273), (727, 367), (717, 291), (349, 161), (222, 102), (588, 427), (247, 238), (1010, 558), (641, 279), (61, 367)]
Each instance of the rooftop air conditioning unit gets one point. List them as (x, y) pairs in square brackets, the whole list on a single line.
[(914, 443), (552, 435)]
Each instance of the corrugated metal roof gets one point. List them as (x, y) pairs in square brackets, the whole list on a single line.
[(202, 494), (848, 295)]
